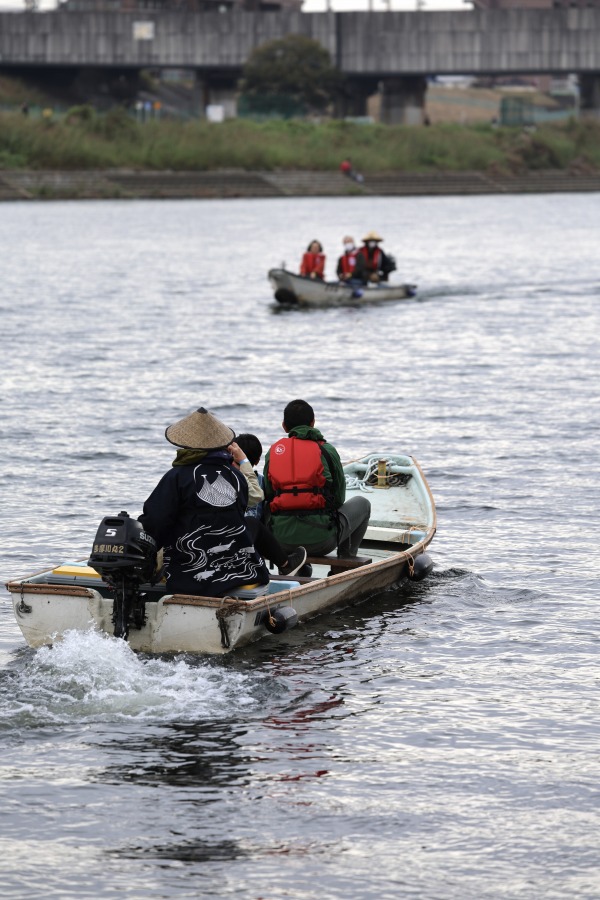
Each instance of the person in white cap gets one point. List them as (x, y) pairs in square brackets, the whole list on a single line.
[(196, 513)]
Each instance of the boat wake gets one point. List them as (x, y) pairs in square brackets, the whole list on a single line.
[(93, 677)]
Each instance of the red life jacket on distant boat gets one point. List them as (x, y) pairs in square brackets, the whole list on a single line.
[(313, 262), (296, 475), (372, 258), (348, 262)]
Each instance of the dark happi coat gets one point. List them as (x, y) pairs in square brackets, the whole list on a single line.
[(196, 513)]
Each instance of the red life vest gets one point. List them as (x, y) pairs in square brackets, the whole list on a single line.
[(296, 475), (372, 263), (348, 262), (313, 262)]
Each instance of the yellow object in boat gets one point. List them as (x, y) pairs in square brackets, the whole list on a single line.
[(72, 569)]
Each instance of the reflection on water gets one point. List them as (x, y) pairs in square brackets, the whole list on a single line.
[(202, 756), (436, 741)]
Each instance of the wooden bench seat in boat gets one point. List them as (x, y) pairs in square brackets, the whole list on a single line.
[(339, 564)]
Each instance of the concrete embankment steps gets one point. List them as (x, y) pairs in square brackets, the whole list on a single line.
[(232, 183), (129, 184), (9, 191), (313, 184), (51, 185)]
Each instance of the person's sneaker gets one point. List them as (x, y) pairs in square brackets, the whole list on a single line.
[(305, 571), (295, 561)]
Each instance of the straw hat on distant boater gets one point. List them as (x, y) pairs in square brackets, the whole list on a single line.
[(201, 430), (372, 236)]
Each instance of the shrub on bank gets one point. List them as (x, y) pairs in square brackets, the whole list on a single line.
[(86, 139)]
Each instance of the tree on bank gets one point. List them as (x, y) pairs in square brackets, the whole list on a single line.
[(289, 76)]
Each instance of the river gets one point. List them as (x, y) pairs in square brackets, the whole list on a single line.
[(438, 742)]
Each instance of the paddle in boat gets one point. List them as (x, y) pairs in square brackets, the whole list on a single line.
[(113, 591), (296, 290)]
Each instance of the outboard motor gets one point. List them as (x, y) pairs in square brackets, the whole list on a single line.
[(124, 555)]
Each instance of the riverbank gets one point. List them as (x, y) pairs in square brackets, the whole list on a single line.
[(129, 184), (84, 140)]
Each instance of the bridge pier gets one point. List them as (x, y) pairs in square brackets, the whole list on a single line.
[(403, 100), (356, 97), (217, 89), (589, 95)]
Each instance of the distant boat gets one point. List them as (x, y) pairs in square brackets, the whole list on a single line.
[(113, 594), (296, 290)]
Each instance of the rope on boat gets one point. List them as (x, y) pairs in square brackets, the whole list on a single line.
[(355, 482), (233, 607), (223, 614)]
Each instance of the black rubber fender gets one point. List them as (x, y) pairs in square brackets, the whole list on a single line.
[(421, 567), (282, 295), (280, 620)]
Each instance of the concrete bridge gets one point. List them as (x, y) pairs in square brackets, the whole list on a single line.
[(394, 49)]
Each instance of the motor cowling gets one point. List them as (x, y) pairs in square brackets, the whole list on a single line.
[(122, 549)]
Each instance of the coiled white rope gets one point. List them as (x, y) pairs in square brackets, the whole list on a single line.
[(358, 483)]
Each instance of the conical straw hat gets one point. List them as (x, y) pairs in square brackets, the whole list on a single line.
[(199, 431)]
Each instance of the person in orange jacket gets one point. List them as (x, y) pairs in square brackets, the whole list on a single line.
[(313, 261)]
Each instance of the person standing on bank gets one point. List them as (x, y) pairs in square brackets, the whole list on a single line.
[(305, 488), (196, 513)]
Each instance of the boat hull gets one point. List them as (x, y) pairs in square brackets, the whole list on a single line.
[(296, 290), (74, 597), (178, 623)]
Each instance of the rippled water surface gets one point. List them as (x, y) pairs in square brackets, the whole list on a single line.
[(440, 741)]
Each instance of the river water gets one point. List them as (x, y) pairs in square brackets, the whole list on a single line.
[(439, 741)]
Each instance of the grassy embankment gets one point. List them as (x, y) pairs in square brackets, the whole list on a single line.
[(84, 139)]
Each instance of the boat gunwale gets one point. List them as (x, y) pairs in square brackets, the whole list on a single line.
[(345, 292), (265, 601), (257, 604), (41, 587)]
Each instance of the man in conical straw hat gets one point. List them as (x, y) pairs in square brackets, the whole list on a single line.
[(372, 264), (196, 513)]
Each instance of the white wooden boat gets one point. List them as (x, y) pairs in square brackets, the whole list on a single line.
[(403, 522), (296, 290)]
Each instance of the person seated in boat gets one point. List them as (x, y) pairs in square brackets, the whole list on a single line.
[(197, 513), (313, 261), (372, 264), (305, 489), (347, 262), (247, 451), (251, 449)]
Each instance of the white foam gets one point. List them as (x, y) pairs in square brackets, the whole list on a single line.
[(93, 677)]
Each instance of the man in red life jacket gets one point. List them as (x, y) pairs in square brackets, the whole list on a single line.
[(305, 489), (313, 261), (372, 264), (347, 262)]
